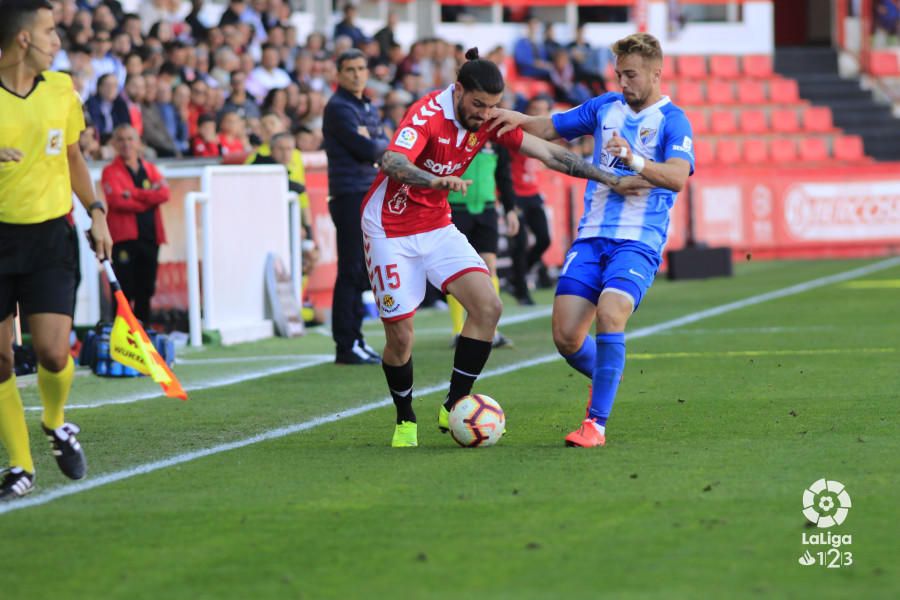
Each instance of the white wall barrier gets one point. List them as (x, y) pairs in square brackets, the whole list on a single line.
[(245, 213)]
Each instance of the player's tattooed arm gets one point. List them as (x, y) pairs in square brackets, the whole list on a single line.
[(565, 161), (399, 168)]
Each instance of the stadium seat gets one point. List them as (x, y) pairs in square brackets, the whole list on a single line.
[(690, 93), (848, 147), (817, 119), (784, 91), (703, 152), (723, 122), (757, 66), (724, 66), (884, 63), (692, 67), (813, 149), (667, 89), (751, 92), (784, 120), (728, 151), (719, 92), (668, 70), (783, 150), (755, 151), (753, 121), (699, 121)]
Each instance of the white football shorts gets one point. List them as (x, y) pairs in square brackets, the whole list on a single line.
[(398, 267)]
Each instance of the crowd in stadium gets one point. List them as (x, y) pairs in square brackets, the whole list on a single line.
[(197, 90)]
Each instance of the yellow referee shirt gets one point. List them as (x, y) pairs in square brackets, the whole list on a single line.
[(41, 125)]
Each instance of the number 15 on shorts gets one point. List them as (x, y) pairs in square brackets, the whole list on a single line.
[(390, 275)]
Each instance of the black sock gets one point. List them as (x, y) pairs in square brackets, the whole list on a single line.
[(400, 383), (471, 354)]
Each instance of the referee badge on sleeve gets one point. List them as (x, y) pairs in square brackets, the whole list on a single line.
[(54, 142)]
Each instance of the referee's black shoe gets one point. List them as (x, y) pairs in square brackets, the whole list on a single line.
[(16, 483), (67, 450)]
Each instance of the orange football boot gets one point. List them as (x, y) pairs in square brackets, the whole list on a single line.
[(586, 436)]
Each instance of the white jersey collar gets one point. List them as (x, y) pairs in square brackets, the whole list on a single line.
[(655, 106)]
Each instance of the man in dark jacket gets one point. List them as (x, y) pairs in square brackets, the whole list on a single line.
[(107, 109), (354, 142)]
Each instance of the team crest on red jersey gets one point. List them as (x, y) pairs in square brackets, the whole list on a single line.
[(472, 142), (397, 203)]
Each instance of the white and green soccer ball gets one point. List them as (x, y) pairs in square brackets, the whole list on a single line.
[(477, 420)]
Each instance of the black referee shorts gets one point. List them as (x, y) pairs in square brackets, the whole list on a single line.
[(481, 230), (38, 268)]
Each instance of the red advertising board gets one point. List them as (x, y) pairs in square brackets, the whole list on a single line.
[(800, 213)]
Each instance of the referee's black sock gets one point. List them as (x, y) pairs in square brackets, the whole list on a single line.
[(400, 383), (471, 354)]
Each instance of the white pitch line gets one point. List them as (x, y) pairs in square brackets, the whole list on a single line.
[(89, 484), (314, 360)]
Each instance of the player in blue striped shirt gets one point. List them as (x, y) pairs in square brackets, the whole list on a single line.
[(640, 135)]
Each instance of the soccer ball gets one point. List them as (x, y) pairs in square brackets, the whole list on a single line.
[(477, 420)]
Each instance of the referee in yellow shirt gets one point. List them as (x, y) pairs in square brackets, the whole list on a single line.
[(40, 164)]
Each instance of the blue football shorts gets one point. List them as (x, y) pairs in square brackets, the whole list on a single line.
[(595, 265)]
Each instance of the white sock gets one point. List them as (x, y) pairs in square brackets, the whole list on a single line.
[(600, 428)]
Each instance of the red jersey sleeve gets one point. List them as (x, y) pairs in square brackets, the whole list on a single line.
[(511, 140), (411, 136)]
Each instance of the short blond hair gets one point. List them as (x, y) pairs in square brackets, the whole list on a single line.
[(643, 44)]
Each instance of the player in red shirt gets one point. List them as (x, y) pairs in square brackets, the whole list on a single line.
[(409, 237)]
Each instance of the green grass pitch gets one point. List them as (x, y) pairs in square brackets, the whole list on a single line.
[(720, 424)]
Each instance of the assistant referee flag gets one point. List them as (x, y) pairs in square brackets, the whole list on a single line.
[(130, 345)]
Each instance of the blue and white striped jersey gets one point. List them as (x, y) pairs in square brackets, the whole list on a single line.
[(658, 133)]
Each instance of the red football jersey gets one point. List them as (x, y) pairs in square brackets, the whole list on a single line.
[(435, 142)]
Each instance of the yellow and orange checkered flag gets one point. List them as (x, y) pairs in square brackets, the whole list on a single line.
[(130, 345)]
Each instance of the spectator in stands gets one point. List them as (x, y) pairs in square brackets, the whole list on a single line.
[(134, 94), (106, 109), (156, 129), (238, 100), (354, 142), (172, 115), (226, 62), (199, 99), (270, 126), (232, 137), (529, 53), (276, 103), (348, 27), (89, 142), (550, 43), (589, 62), (562, 76), (102, 61), (530, 204), (134, 190), (887, 23), (268, 75), (206, 143), (81, 69), (131, 24), (199, 31), (385, 35)]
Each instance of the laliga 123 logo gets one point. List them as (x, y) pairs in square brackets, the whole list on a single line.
[(826, 503)]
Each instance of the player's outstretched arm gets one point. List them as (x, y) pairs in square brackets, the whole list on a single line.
[(507, 120), (565, 161), (399, 168)]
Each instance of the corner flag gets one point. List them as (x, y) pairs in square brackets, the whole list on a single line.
[(130, 345)]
